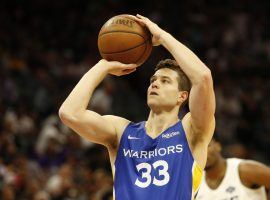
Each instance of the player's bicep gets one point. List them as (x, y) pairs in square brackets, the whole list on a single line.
[(202, 104), (92, 126)]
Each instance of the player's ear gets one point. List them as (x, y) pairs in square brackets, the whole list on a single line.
[(182, 96)]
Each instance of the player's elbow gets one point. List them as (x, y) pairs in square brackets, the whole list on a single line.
[(207, 75), (66, 117), (203, 77), (206, 78)]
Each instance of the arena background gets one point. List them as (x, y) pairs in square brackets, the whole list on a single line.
[(46, 46)]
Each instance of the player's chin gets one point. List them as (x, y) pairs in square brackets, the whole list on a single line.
[(152, 103)]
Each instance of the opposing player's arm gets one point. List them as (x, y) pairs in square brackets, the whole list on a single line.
[(254, 174), (87, 123)]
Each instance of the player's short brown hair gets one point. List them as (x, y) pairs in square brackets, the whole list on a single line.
[(183, 81)]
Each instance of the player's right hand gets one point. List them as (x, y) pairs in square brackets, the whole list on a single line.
[(117, 68)]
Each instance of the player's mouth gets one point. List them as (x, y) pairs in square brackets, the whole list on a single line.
[(153, 93)]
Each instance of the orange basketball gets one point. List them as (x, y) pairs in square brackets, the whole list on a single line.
[(125, 40)]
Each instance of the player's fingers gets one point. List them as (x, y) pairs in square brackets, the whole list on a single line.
[(129, 66), (131, 17), (140, 21), (123, 65), (146, 21), (132, 66), (141, 17), (128, 71)]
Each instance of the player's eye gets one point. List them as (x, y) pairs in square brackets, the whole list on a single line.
[(152, 80)]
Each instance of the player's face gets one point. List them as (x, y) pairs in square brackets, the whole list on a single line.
[(163, 92), (214, 149)]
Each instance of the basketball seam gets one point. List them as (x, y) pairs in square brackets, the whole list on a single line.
[(124, 50), (143, 52), (121, 32)]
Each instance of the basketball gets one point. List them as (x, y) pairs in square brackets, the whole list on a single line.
[(125, 40)]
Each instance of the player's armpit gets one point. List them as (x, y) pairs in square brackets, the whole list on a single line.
[(254, 174)]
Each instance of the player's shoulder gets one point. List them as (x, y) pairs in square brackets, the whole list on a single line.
[(244, 166), (118, 122), (242, 163), (115, 118), (121, 124), (249, 171), (249, 165)]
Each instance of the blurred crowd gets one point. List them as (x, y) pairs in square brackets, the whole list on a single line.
[(46, 46)]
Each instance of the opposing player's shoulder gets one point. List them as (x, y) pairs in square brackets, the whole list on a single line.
[(248, 166), (252, 173)]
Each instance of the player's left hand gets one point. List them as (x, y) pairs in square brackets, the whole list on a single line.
[(155, 30)]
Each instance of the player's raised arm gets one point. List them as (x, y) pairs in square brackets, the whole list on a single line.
[(201, 98), (89, 124)]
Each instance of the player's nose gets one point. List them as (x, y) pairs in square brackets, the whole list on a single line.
[(155, 84)]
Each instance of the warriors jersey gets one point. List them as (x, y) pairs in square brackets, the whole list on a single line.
[(162, 168), (231, 187)]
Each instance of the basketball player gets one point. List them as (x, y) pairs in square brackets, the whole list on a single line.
[(232, 179), (162, 157)]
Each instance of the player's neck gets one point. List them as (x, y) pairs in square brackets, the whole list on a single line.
[(157, 123), (218, 170)]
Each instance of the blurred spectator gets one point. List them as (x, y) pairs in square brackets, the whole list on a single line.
[(51, 129), (41, 195), (8, 193), (101, 101), (61, 183)]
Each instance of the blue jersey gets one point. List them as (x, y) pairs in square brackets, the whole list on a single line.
[(155, 169)]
